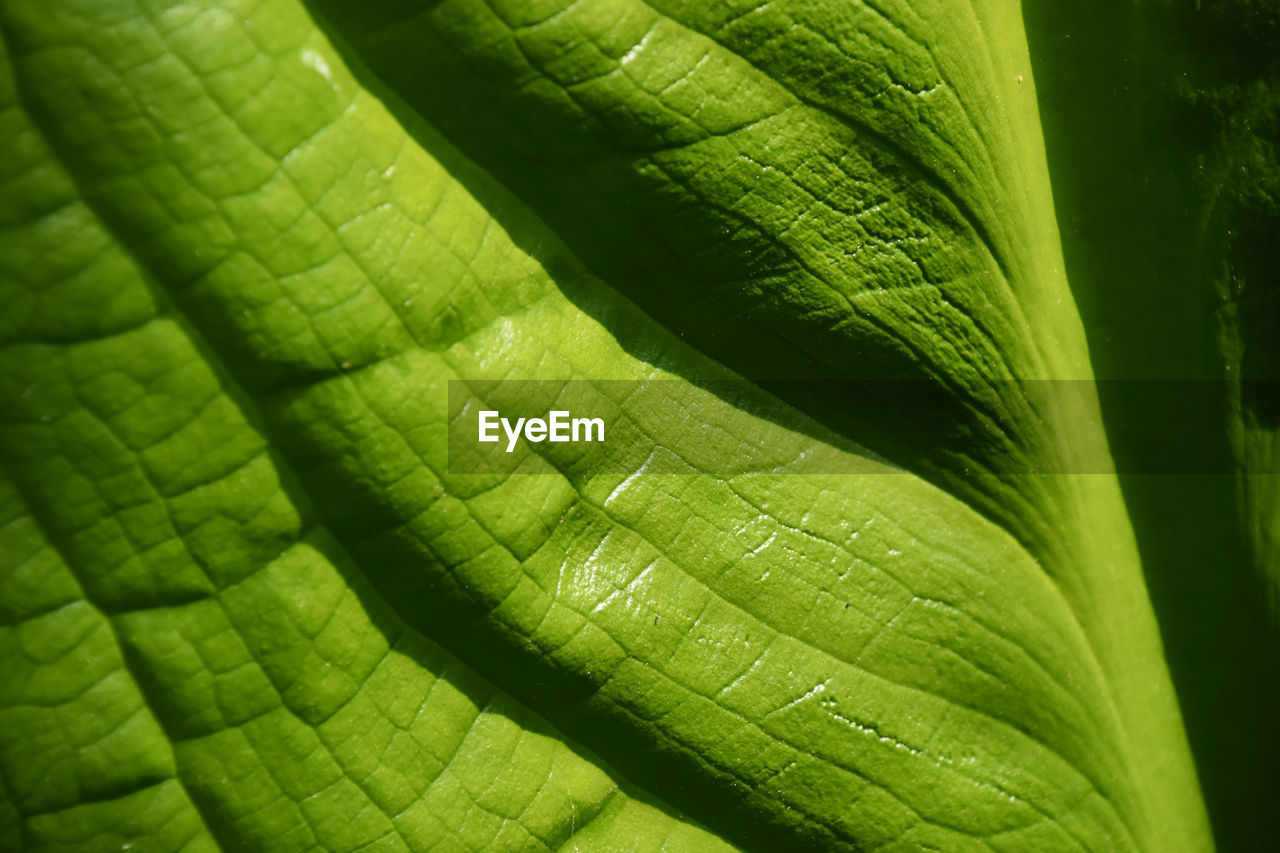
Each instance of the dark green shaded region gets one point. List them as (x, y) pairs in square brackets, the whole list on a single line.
[(1161, 123), (798, 229)]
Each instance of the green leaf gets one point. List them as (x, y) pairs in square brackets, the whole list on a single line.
[(246, 603), (1171, 221)]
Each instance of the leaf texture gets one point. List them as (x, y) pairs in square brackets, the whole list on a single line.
[(247, 605)]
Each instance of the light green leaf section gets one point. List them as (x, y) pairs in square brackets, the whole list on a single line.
[(84, 761), (196, 665), (236, 288)]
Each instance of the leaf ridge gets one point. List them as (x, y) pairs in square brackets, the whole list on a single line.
[(33, 513)]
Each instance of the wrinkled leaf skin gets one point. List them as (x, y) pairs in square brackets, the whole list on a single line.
[(244, 603)]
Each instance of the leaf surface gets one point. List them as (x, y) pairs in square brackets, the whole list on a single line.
[(246, 249)]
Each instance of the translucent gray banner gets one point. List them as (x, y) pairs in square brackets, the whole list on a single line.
[(727, 428)]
